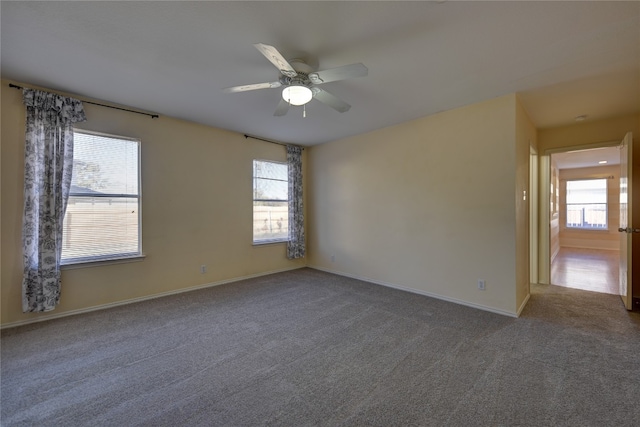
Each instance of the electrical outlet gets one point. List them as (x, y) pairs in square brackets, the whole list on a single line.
[(333, 258), (203, 269), (482, 284)]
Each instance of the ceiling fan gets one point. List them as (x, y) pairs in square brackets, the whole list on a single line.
[(301, 81)]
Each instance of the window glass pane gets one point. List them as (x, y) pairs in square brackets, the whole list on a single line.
[(270, 221), (587, 204), (587, 191), (104, 164), (271, 170), (99, 227), (270, 201), (270, 190), (587, 216)]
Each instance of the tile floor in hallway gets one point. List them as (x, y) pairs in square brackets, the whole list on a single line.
[(588, 269)]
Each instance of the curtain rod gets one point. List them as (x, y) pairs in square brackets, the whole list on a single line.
[(271, 142), (153, 116)]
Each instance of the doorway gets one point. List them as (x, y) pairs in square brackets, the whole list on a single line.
[(584, 218)]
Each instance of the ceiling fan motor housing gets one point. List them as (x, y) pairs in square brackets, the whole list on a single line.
[(302, 78)]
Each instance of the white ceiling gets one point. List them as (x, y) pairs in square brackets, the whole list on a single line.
[(564, 58), (587, 158)]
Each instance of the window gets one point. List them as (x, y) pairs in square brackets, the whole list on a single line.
[(587, 204), (270, 202), (102, 220)]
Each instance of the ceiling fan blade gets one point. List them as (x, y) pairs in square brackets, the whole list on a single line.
[(329, 99), (272, 54), (255, 86), (339, 73), (282, 108)]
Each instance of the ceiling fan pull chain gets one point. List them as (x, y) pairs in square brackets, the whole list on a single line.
[(304, 110)]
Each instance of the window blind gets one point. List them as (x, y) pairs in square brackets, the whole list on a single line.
[(270, 201), (587, 191), (587, 204), (102, 220)]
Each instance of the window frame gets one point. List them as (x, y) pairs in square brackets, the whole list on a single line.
[(121, 257), (254, 178), (567, 205)]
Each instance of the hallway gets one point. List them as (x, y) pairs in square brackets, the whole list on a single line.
[(587, 269)]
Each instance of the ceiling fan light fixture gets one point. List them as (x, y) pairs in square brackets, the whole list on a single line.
[(297, 94)]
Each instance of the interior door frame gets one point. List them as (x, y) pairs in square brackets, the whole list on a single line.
[(544, 238), (626, 261), (534, 223)]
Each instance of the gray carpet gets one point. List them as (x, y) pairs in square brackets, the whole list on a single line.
[(307, 348)]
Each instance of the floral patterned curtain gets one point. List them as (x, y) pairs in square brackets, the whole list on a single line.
[(48, 161), (296, 243)]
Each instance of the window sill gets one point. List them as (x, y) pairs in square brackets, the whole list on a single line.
[(590, 230), (101, 262), (269, 242)]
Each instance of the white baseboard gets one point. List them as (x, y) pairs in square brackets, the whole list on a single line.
[(595, 247), (526, 300), (139, 299), (420, 292)]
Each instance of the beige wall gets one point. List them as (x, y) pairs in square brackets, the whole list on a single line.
[(427, 205), (196, 209), (588, 132), (592, 239)]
